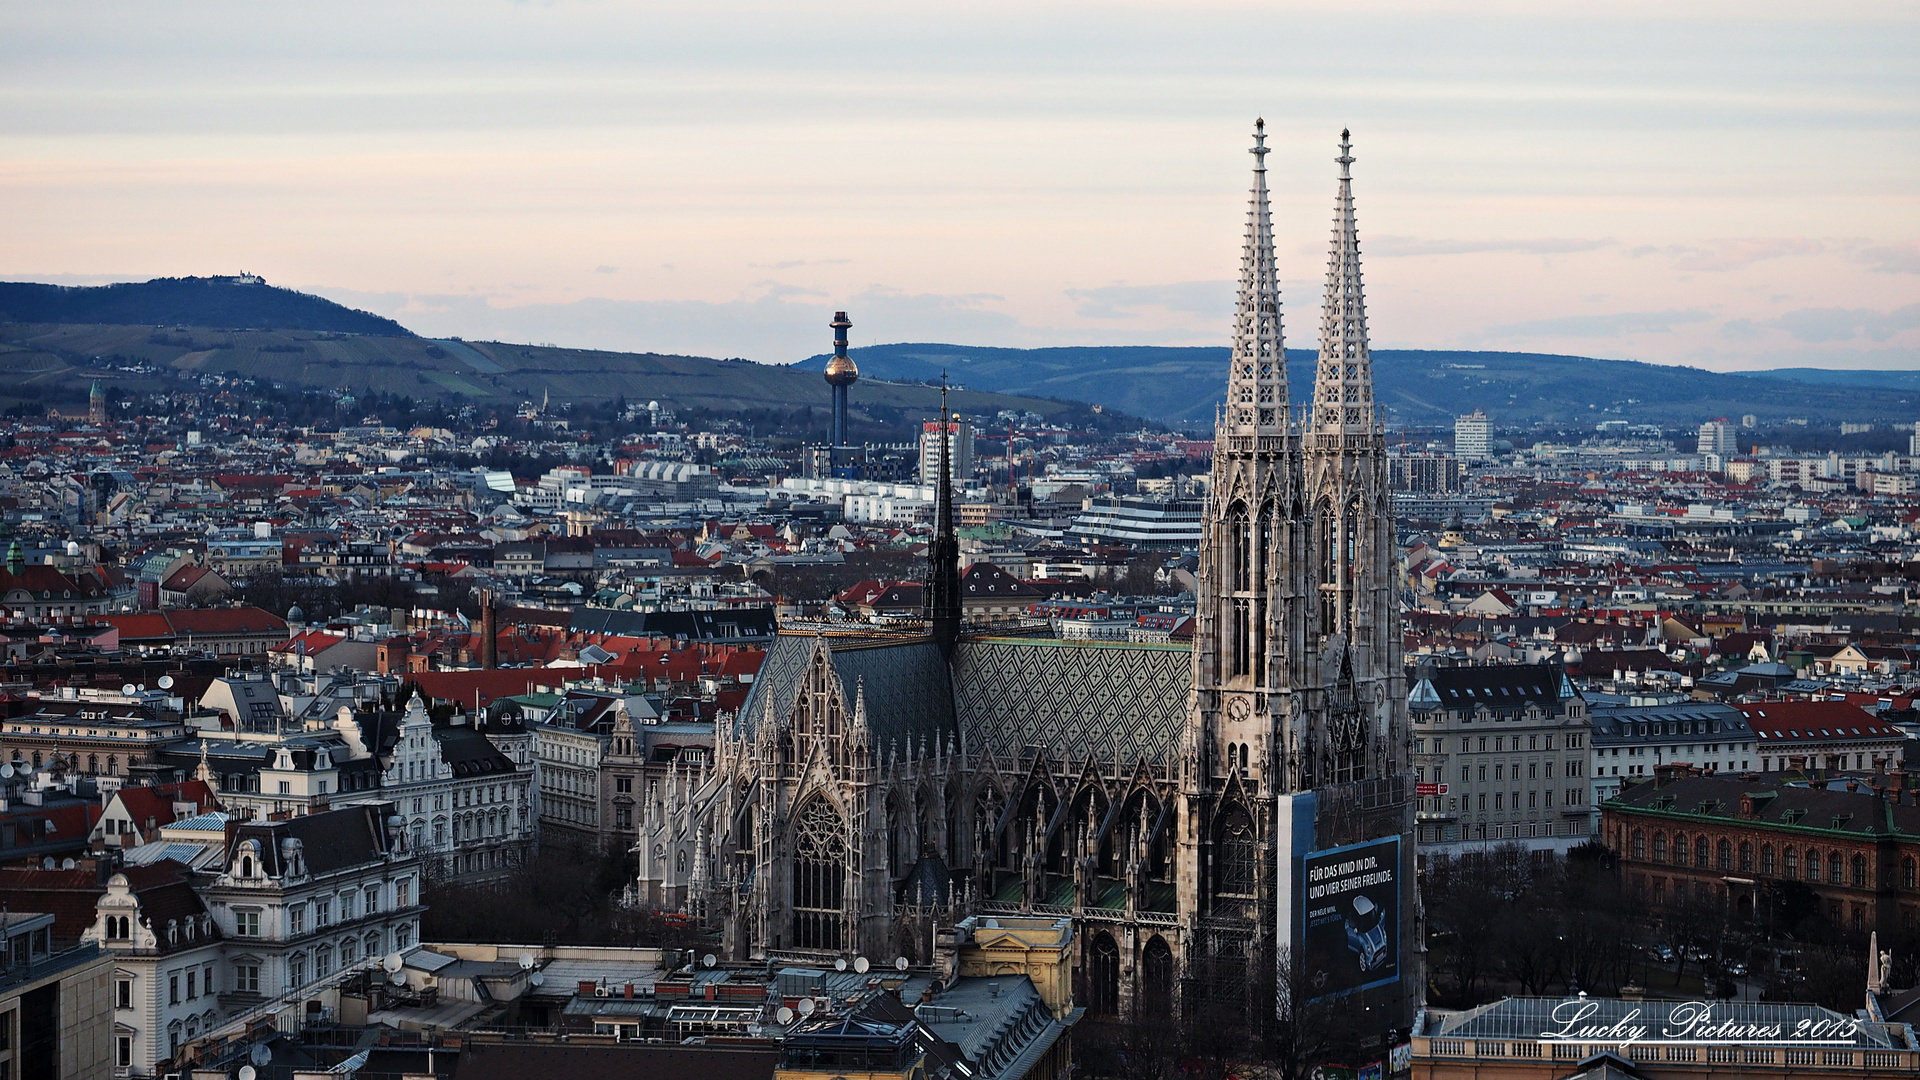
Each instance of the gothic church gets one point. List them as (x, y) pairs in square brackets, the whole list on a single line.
[(878, 786)]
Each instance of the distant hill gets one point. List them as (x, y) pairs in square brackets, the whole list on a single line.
[(236, 302), (56, 362), (1868, 379), (1417, 387)]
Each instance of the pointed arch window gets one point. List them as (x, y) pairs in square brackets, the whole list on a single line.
[(1236, 856), (1103, 970), (819, 875), (1156, 983)]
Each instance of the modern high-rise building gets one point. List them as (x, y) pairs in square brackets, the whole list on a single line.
[(1913, 442), (1423, 474), (1719, 437), (841, 374), (960, 445), (1473, 437)]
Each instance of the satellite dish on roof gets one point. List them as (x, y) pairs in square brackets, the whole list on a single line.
[(6, 772), (166, 682), (67, 864), (840, 964), (526, 961), (785, 1015), (127, 689), (806, 1006), (537, 978), (260, 1054), (247, 1072), (860, 965), (393, 961), (397, 978), (900, 963), (709, 960)]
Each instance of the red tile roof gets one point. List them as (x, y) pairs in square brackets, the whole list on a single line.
[(1814, 720)]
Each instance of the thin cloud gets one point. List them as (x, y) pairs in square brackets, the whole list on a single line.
[(1407, 246), (1211, 298), (1893, 259), (1845, 324), (1595, 326), (1723, 255)]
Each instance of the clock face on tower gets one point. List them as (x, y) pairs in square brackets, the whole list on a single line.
[(1238, 709)]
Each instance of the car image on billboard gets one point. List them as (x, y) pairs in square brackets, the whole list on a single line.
[(1350, 916)]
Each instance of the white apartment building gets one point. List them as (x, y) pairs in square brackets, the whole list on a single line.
[(1720, 438), (302, 900), (569, 780), (467, 806), (1473, 437), (169, 965), (959, 431)]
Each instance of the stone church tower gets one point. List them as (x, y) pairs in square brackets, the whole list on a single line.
[(882, 783)]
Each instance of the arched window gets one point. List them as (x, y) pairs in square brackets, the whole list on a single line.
[(1659, 847), (1836, 868), (1766, 859), (1746, 856), (1723, 855), (1907, 872), (1236, 856), (819, 875), (1103, 976), (1813, 865), (680, 861), (1702, 853), (1680, 849), (1790, 862), (1156, 978), (1240, 548), (1639, 844), (1859, 871)]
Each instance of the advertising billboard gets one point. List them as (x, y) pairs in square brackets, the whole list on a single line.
[(1349, 906)]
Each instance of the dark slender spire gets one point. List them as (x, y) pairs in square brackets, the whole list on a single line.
[(943, 557)]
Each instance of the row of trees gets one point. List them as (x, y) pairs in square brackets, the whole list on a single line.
[(1505, 922)]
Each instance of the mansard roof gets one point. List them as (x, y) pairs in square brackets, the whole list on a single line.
[(1071, 698), (330, 840), (906, 682)]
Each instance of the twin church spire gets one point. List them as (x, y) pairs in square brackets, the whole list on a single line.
[(1257, 385), (1257, 401), (1343, 384)]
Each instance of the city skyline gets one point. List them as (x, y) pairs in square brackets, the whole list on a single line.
[(1728, 188)]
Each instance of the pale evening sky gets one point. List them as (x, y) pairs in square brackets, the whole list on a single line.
[(1730, 185)]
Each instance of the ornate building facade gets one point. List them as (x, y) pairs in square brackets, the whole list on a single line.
[(876, 787)]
